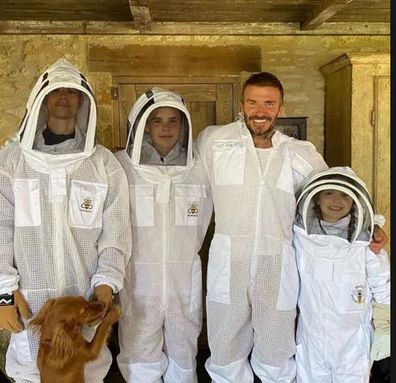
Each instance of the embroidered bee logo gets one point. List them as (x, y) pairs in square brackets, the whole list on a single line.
[(192, 210), (87, 204), (358, 294)]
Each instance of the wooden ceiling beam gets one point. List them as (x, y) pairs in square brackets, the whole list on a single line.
[(323, 12), (34, 27), (141, 14)]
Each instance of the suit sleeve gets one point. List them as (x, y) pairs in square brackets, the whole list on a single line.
[(115, 242)]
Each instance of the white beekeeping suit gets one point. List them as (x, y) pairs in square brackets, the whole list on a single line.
[(252, 281), (339, 279), (64, 217), (171, 208)]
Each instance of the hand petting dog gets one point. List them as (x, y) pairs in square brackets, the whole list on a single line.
[(104, 294)]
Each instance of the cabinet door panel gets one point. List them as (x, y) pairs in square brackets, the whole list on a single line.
[(381, 181)]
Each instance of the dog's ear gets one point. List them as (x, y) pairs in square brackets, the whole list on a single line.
[(39, 319), (61, 346)]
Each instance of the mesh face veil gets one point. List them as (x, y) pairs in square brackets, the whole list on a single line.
[(344, 180), (147, 102), (62, 74)]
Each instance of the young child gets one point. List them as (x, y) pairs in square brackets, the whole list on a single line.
[(171, 208), (340, 278)]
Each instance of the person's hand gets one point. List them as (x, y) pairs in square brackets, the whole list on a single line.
[(381, 343), (10, 315), (104, 294), (379, 240)]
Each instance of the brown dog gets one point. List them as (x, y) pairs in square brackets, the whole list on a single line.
[(63, 351)]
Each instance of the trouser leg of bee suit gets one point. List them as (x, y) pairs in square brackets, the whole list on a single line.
[(238, 371), (20, 362), (181, 330), (305, 364), (329, 377), (157, 342), (345, 378), (96, 371), (311, 367), (141, 359), (273, 320), (230, 335), (174, 373), (274, 374), (147, 372)]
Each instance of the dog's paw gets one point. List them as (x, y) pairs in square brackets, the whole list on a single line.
[(113, 315)]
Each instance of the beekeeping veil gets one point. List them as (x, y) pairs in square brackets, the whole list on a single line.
[(345, 180), (62, 74), (138, 139)]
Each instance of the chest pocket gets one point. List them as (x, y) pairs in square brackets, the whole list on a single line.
[(229, 162), (189, 203), (86, 204), (27, 202), (346, 288), (356, 296)]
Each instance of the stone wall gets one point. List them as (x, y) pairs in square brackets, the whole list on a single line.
[(294, 59)]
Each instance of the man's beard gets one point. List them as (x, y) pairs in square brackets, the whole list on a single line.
[(268, 133)]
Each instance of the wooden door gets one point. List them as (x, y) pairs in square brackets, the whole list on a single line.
[(382, 127), (210, 101)]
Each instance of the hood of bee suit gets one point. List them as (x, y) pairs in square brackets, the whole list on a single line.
[(340, 178), (137, 138), (62, 74)]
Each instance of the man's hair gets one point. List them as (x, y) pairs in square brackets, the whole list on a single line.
[(263, 79)]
